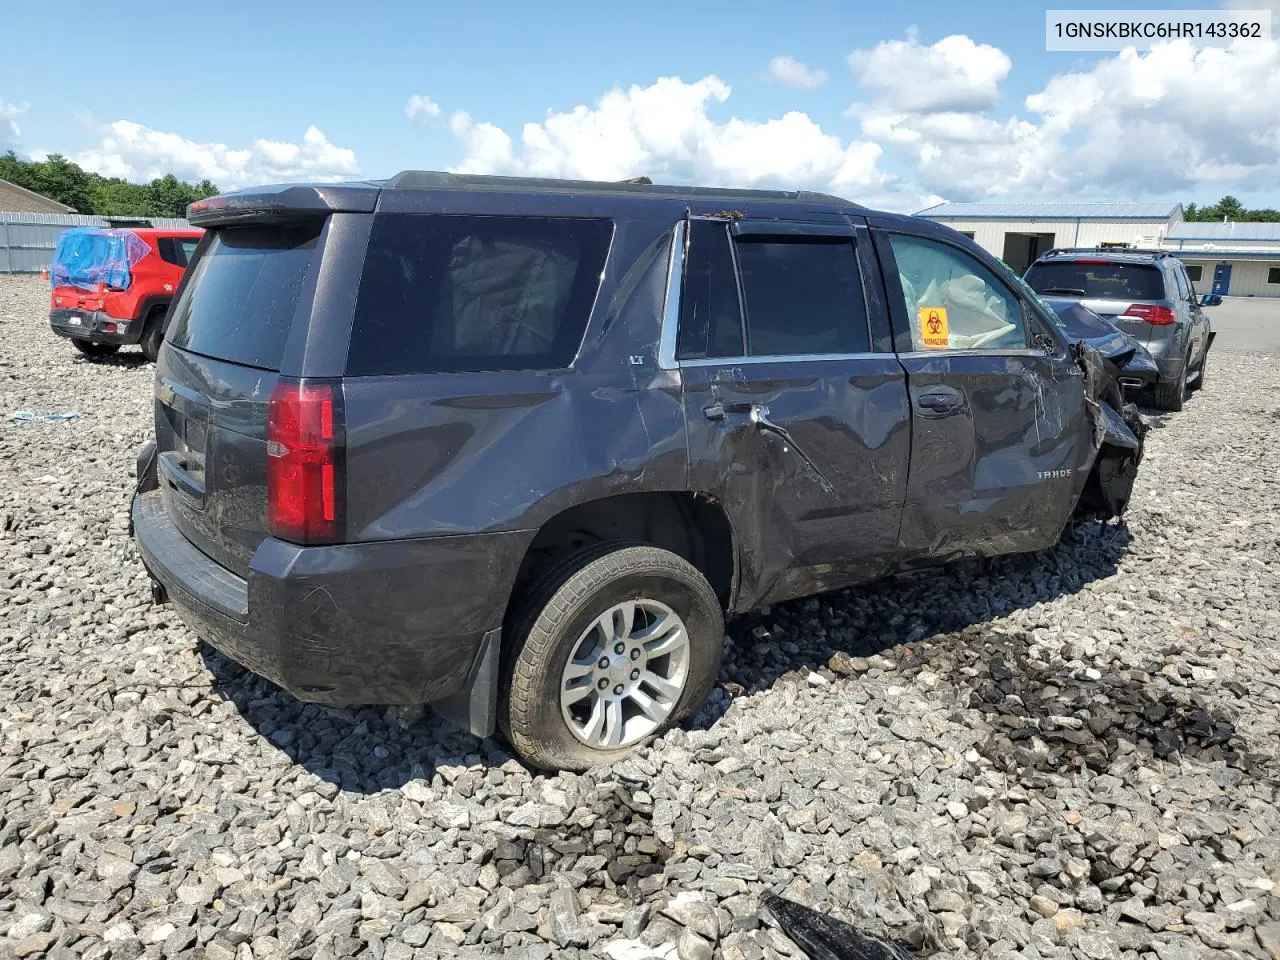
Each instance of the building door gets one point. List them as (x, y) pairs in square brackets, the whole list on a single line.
[(1021, 250), (1221, 279)]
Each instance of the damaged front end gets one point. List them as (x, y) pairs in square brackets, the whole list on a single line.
[(1119, 433)]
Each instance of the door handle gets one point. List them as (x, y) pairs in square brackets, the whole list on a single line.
[(717, 409), (940, 401)]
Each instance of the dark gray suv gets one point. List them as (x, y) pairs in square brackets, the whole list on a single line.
[(515, 447), (1146, 294)]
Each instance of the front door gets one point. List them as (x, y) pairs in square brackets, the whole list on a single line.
[(1221, 279), (1001, 441), (795, 423)]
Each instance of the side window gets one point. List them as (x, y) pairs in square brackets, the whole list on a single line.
[(952, 300), (168, 251), (710, 315), (802, 296), (186, 250), (1181, 292), (447, 293)]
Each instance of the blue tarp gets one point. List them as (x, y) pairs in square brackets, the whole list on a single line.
[(87, 256)]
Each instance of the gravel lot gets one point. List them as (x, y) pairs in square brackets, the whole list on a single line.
[(1074, 754)]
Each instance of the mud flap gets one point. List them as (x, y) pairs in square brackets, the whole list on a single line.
[(1119, 433), (474, 708), (147, 478)]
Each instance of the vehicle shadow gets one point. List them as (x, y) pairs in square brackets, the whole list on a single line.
[(801, 637), (361, 750), (126, 360), (368, 749)]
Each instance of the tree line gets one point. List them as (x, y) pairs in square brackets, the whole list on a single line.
[(59, 179), (1229, 208)]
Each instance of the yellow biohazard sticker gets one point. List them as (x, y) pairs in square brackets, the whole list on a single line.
[(933, 328)]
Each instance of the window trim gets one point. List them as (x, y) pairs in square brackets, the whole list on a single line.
[(580, 343), (791, 231), (1027, 309)]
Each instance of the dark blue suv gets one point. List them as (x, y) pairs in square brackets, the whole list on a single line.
[(515, 447)]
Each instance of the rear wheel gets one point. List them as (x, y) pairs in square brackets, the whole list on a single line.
[(91, 349), (153, 335), (611, 648), (1171, 396)]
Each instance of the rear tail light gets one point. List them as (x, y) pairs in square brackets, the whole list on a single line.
[(304, 461), (1157, 316)]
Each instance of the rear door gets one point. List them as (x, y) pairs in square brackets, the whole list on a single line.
[(1001, 441), (247, 290), (795, 404)]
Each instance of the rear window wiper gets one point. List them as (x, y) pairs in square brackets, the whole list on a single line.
[(1071, 290)]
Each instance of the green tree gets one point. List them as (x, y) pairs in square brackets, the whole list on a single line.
[(1229, 208), (59, 179)]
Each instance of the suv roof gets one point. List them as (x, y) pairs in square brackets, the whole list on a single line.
[(433, 180), (364, 196), (1118, 254)]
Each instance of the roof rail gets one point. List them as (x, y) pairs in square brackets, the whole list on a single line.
[(1157, 254)]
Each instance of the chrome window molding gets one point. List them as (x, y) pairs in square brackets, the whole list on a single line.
[(782, 358), (671, 304)]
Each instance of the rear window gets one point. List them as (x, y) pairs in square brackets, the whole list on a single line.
[(240, 299), (1100, 281), (802, 297), (446, 293)]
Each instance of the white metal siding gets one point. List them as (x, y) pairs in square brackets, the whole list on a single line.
[(1248, 277), (27, 239), (990, 234)]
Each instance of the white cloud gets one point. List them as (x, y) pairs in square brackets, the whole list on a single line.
[(665, 131), (419, 105), (793, 73), (135, 152), (1158, 123), (953, 74), (10, 132)]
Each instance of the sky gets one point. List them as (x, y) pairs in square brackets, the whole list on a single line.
[(893, 104)]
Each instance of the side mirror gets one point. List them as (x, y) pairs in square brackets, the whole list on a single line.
[(1210, 300)]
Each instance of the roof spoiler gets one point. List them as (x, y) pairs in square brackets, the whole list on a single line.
[(283, 202)]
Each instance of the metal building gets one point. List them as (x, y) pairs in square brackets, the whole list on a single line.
[(1019, 232), (1231, 259)]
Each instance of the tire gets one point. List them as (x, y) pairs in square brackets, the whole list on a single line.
[(91, 349), (1198, 383), (153, 336), (563, 615), (1171, 396)]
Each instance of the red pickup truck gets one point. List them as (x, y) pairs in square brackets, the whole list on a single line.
[(113, 286)]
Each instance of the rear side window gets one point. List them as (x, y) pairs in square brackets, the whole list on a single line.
[(444, 293), (710, 315), (1096, 280), (240, 299), (802, 297)]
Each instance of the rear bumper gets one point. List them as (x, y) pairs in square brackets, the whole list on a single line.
[(402, 622), (91, 325)]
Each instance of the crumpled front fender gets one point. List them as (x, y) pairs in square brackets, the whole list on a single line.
[(1119, 433)]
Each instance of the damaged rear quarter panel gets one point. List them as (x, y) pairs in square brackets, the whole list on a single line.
[(464, 453)]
